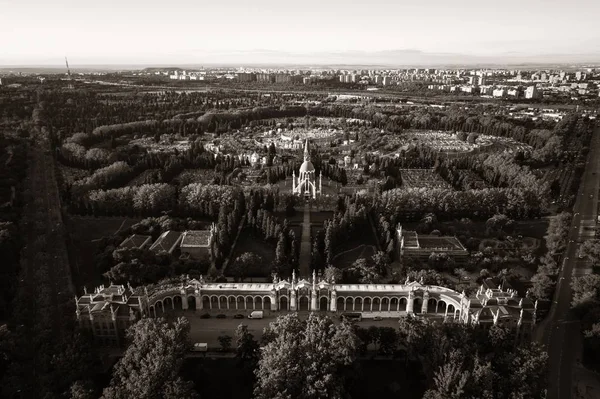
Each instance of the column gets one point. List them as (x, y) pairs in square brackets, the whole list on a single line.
[(313, 301), (184, 300), (425, 302), (333, 302), (274, 301), (198, 296), (293, 300), (410, 302)]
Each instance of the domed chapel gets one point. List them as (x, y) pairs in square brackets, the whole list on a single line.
[(306, 185)]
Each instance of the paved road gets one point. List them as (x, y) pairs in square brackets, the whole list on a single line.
[(305, 245), (209, 330), (563, 328)]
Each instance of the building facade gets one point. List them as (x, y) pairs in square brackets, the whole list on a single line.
[(109, 311)]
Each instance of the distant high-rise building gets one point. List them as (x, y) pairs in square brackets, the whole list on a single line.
[(283, 78), (265, 78), (532, 92), (387, 80), (246, 77)]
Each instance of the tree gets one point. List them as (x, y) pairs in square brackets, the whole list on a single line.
[(246, 263), (149, 366), (381, 262), (247, 349), (366, 273), (450, 379), (306, 359), (585, 289), (590, 249), (225, 342), (332, 274), (82, 390), (542, 286)]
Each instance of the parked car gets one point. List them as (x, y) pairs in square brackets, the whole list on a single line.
[(221, 316), (377, 318), (238, 316), (205, 316)]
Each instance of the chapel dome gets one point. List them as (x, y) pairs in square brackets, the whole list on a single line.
[(307, 166)]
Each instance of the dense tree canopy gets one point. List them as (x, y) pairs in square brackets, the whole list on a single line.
[(305, 359), (150, 365)]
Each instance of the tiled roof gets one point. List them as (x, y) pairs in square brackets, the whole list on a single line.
[(166, 241), (135, 241)]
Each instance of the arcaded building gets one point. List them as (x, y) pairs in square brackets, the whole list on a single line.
[(109, 311)]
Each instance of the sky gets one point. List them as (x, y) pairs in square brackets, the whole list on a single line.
[(42, 32)]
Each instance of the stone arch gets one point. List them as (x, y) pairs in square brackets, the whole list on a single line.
[(450, 309), (303, 303), (441, 307), (402, 304), (358, 304), (340, 303), (266, 303), (376, 304), (349, 303), (417, 305), (431, 305), (214, 302), (249, 302), (222, 302), (367, 303), (240, 303), (258, 303), (178, 302), (283, 303), (162, 306), (191, 302), (323, 304), (231, 302), (394, 305), (206, 302), (168, 303), (152, 311), (385, 304)]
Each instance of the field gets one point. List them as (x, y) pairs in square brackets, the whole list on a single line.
[(85, 233)]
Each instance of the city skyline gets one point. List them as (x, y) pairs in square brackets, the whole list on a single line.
[(36, 33)]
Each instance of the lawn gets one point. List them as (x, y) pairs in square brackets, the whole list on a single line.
[(85, 233), (363, 246), (345, 259), (249, 242)]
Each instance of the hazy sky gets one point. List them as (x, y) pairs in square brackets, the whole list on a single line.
[(126, 31)]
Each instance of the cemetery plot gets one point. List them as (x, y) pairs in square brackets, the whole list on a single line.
[(422, 178)]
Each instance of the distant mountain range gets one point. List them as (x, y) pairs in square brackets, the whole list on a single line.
[(342, 59)]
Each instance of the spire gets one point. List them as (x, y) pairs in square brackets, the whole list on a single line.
[(306, 151)]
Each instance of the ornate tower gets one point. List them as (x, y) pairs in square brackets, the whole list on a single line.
[(306, 184)]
